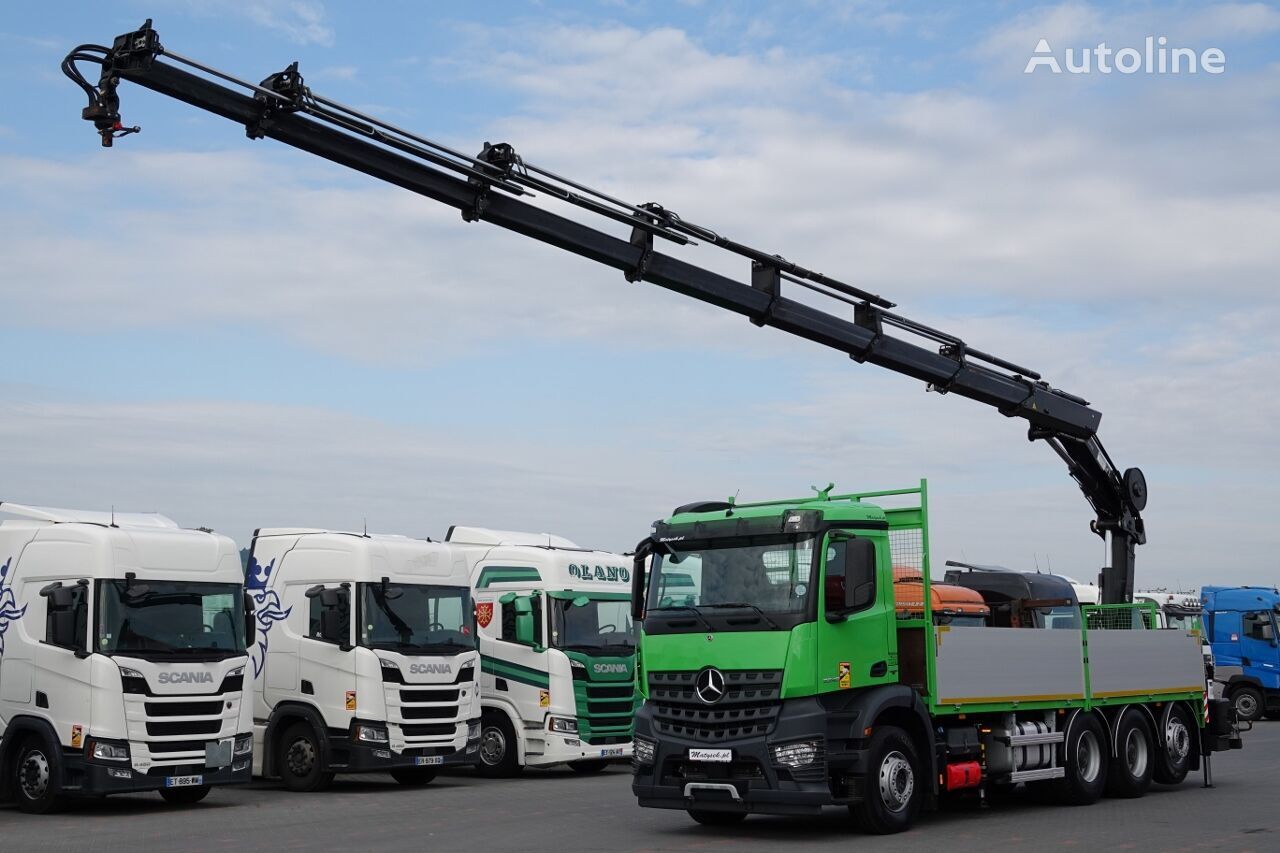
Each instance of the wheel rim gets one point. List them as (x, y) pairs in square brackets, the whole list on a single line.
[(1088, 757), (897, 781), (1246, 705), (1177, 740), (301, 757), (493, 746), (34, 775), (1136, 754)]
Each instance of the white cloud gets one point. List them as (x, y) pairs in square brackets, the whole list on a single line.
[(301, 21)]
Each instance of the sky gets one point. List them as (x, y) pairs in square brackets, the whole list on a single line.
[(241, 335)]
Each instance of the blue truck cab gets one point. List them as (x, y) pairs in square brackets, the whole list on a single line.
[(1243, 626)]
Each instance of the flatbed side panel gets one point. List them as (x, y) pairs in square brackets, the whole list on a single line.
[(1141, 663), (983, 666)]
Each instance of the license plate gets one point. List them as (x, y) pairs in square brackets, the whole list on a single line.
[(612, 752), (428, 760), (711, 755), (183, 781)]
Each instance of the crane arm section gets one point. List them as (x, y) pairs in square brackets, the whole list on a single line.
[(495, 184)]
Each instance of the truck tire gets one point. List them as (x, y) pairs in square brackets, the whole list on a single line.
[(1085, 762), (1130, 773), (894, 784), (1248, 702), (588, 766), (499, 750), (1173, 757), (300, 761), (710, 818), (35, 788), (185, 796), (413, 777)]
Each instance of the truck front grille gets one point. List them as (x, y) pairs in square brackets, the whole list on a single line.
[(748, 708)]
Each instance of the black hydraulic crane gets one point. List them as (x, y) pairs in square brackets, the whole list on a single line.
[(490, 187)]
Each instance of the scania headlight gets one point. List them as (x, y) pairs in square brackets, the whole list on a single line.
[(237, 671), (643, 750), (800, 753), (565, 725), (244, 745), (107, 751), (126, 672), (371, 734), (577, 664), (391, 671)]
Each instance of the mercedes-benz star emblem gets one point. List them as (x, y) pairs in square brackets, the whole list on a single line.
[(709, 685)]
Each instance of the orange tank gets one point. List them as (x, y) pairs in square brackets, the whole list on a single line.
[(948, 600)]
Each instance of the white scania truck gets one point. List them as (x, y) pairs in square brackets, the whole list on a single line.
[(557, 650), (122, 658), (366, 657)]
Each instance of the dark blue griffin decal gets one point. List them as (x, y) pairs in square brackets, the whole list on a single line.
[(10, 612), (267, 609)]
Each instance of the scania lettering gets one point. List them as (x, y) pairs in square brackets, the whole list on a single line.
[(782, 673), (557, 646), (366, 659), (122, 658)]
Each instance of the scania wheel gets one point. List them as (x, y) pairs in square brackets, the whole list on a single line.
[(499, 752)]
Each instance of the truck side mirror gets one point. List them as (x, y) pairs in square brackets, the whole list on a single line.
[(333, 627), (62, 628), (523, 605), (860, 573), (334, 610), (250, 622), (639, 563)]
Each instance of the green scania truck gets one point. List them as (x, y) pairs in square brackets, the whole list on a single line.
[(778, 676)]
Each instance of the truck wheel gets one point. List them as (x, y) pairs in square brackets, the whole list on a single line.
[(35, 788), (301, 767), (894, 785), (499, 750), (1248, 703), (1174, 759), (1085, 764), (1130, 773), (588, 766), (710, 818), (185, 796), (413, 777)]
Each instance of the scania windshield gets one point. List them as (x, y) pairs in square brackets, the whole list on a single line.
[(417, 618), (734, 583), (592, 624), (170, 619)]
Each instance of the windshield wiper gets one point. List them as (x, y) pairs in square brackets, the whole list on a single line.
[(691, 608), (759, 612)]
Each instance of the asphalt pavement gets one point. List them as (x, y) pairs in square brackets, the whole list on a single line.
[(561, 811)]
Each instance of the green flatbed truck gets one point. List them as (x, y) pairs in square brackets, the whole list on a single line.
[(778, 677)]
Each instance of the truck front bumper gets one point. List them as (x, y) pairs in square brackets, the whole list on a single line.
[(97, 778), (750, 782), (347, 756), (560, 748)]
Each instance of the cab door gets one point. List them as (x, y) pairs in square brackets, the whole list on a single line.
[(62, 683), (326, 653), (857, 644)]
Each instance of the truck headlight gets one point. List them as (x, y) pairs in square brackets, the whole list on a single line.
[(126, 672), (564, 725), (371, 734), (797, 754), (237, 671), (643, 750), (107, 751), (244, 745), (391, 671)]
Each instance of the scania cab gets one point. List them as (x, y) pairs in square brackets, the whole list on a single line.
[(122, 658), (366, 658), (557, 647)]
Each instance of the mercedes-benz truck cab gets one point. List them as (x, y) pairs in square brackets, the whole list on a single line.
[(366, 658), (557, 647), (122, 658)]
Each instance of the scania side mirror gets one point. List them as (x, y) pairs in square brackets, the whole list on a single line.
[(524, 620), (334, 607), (250, 621)]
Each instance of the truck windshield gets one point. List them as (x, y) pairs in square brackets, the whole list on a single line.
[(417, 618), (765, 574), (586, 624), (170, 619)]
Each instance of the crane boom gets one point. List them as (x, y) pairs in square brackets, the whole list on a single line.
[(492, 186)]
